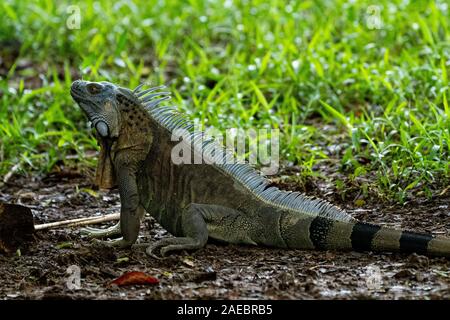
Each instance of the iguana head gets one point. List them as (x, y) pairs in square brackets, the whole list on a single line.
[(120, 120), (98, 100)]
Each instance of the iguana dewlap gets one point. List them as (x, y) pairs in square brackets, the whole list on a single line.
[(227, 202)]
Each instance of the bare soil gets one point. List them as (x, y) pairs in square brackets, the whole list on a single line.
[(217, 271)]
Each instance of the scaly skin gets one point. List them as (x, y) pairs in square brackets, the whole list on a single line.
[(195, 202)]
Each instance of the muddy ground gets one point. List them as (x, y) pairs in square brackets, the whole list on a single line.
[(218, 271)]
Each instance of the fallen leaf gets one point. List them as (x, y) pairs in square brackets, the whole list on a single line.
[(208, 275), (123, 259), (189, 262), (405, 273), (416, 261), (133, 278), (90, 192), (420, 277), (64, 245)]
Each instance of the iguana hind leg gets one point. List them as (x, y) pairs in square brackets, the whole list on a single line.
[(200, 221)]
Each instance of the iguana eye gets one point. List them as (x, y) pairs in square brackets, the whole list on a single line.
[(93, 88)]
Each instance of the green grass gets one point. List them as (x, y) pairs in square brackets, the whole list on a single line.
[(313, 69)]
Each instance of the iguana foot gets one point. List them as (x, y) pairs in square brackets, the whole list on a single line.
[(149, 252), (169, 245), (116, 243), (101, 233), (158, 246)]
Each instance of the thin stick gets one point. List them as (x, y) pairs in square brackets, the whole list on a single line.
[(78, 222)]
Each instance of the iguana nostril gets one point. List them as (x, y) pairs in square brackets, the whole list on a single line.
[(102, 128), (76, 84)]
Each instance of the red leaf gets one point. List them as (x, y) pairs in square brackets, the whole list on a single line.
[(134, 277)]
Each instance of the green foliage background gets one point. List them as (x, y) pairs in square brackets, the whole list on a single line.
[(372, 100)]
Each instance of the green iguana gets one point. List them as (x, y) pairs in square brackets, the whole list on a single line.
[(225, 202)]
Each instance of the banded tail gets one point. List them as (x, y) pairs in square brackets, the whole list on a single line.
[(325, 233)]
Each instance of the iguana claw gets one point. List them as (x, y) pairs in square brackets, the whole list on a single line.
[(116, 243), (162, 245), (101, 233), (169, 245), (149, 252)]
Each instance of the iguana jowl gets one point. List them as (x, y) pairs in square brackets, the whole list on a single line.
[(227, 202)]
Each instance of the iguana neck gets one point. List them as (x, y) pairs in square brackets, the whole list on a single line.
[(135, 131), (134, 140)]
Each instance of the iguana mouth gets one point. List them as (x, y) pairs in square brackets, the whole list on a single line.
[(77, 95)]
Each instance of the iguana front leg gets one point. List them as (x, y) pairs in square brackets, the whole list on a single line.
[(200, 221), (130, 210)]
